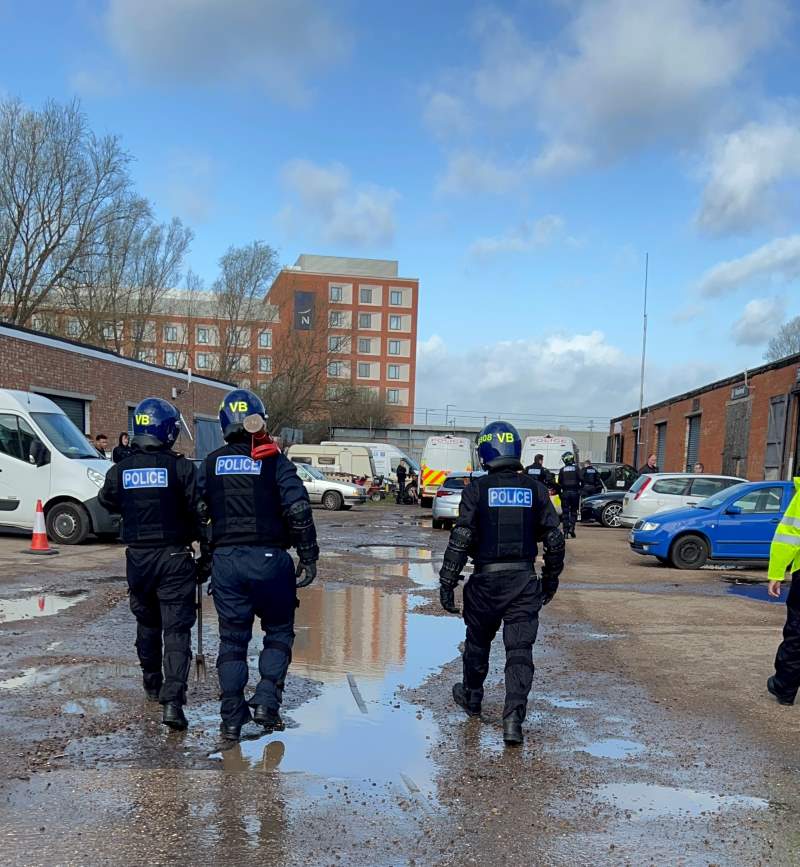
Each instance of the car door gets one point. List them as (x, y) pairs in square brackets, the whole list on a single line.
[(312, 485), (21, 481), (747, 525), (706, 486)]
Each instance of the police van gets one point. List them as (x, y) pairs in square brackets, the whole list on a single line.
[(43, 456), (442, 455), (552, 447)]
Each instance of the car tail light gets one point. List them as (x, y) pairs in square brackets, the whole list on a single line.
[(443, 493), (643, 488)]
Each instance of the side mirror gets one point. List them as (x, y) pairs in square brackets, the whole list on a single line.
[(40, 456), (733, 510)]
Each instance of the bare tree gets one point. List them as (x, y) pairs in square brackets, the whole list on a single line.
[(58, 187), (238, 293), (785, 342)]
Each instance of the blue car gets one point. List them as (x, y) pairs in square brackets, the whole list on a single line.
[(735, 524)]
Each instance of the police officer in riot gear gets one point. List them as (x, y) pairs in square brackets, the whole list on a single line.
[(569, 486), (501, 518), (258, 508), (538, 471), (591, 483), (155, 491)]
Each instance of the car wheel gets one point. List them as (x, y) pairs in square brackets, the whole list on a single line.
[(610, 516), (689, 552), (332, 501), (67, 523), (376, 497)]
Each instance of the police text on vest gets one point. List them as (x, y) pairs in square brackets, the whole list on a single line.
[(145, 477), (518, 497), (237, 465)]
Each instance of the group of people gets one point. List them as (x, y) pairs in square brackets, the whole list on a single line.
[(120, 451), (570, 483)]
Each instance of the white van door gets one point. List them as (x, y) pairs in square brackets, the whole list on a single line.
[(20, 479)]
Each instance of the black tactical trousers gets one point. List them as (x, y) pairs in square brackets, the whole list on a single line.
[(250, 581), (513, 599), (787, 659), (162, 585), (570, 501)]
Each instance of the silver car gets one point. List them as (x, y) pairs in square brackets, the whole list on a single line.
[(332, 495), (448, 498)]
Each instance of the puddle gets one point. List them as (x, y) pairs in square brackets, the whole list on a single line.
[(365, 646), (570, 703), (89, 705), (422, 574), (393, 552), (603, 636), (758, 592), (613, 748), (40, 677), (646, 801), (37, 605)]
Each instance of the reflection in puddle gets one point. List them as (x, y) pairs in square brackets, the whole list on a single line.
[(754, 591), (648, 802), (392, 552), (89, 705), (422, 574), (613, 748), (573, 703), (371, 636), (37, 605)]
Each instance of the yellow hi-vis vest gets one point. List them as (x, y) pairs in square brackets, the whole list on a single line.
[(784, 552)]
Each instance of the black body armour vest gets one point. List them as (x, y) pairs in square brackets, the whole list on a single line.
[(591, 478), (152, 504), (243, 499), (506, 518), (536, 472), (569, 478)]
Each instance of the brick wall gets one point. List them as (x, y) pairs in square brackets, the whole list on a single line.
[(712, 404), (30, 361)]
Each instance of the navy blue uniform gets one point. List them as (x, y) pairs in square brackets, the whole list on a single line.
[(591, 483), (250, 504), (155, 491), (569, 485), (540, 474)]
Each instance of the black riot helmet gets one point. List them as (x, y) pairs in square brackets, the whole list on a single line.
[(234, 409), (499, 445)]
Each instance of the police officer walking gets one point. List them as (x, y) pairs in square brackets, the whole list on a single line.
[(501, 518), (155, 491), (591, 483), (569, 485), (258, 508), (401, 483), (538, 471)]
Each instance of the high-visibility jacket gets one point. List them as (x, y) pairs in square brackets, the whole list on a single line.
[(784, 552)]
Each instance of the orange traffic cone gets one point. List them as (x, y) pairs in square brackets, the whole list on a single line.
[(39, 543)]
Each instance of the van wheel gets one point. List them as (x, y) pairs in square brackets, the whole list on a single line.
[(689, 552), (332, 501), (67, 523)]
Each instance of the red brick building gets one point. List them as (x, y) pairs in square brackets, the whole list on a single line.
[(746, 425), (99, 389)]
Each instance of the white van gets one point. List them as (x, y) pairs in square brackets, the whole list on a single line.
[(335, 460), (552, 447), (386, 457), (43, 456), (443, 455)]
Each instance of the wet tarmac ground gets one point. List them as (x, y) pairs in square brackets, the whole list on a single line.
[(645, 737)]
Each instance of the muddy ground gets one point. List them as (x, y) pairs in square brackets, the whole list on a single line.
[(650, 740)]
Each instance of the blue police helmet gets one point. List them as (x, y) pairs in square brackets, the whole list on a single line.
[(158, 419), (568, 458), (235, 408), (499, 444)]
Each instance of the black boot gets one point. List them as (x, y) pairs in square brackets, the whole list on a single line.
[(270, 719), (572, 534), (230, 731), (774, 690), (151, 694), (461, 699), (174, 716), (512, 731)]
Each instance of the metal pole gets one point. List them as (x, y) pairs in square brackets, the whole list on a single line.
[(644, 349)]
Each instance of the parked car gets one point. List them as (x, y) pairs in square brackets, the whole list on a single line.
[(605, 508), (737, 523), (448, 498), (347, 462), (616, 477), (331, 494), (658, 492)]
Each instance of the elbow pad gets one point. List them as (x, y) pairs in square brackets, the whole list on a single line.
[(554, 549), (455, 557), (303, 532)]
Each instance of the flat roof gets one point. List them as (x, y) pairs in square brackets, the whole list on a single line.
[(347, 265)]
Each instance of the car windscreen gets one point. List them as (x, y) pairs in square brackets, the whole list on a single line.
[(64, 436), (313, 471), (723, 496), (456, 482)]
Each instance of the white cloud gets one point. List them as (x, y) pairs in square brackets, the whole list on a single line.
[(445, 114), (468, 172), (745, 168), (529, 236), (579, 374), (326, 200), (759, 321), (775, 262), (275, 45)]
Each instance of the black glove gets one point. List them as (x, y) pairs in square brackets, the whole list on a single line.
[(549, 588), (309, 568), (203, 567), (447, 596)]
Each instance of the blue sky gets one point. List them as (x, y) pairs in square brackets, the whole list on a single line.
[(519, 158)]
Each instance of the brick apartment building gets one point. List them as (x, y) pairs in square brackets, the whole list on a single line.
[(746, 425), (363, 311)]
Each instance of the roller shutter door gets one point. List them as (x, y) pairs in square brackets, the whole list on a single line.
[(692, 442)]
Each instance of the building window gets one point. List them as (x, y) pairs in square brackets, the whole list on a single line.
[(171, 358), (395, 323), (202, 334), (365, 320), (363, 369), (392, 395), (108, 331), (336, 293), (337, 319), (203, 362), (265, 364), (365, 345), (396, 298), (265, 339), (393, 371), (365, 294), (337, 343), (334, 368), (394, 347), (73, 328), (148, 355), (171, 333)]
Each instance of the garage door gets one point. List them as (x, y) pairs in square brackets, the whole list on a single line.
[(693, 442), (73, 408), (207, 436)]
